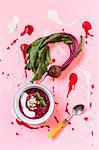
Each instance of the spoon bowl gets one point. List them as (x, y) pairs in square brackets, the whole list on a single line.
[(78, 109)]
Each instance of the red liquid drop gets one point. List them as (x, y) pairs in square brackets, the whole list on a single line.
[(72, 81), (17, 133), (72, 129), (25, 73), (87, 26), (66, 110), (86, 42), (86, 118), (92, 86), (8, 48), (25, 124), (47, 126), (53, 60), (56, 103), (28, 29), (63, 30), (90, 104), (56, 119), (23, 49), (14, 41), (92, 133), (12, 123), (69, 123)]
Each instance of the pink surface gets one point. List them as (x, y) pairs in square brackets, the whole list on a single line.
[(72, 14)]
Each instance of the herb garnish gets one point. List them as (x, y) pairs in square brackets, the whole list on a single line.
[(41, 100)]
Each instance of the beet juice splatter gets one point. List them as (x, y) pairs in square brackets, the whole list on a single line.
[(25, 124), (17, 133), (53, 60), (12, 123), (91, 93), (92, 86), (23, 49), (92, 133), (8, 48), (69, 123), (72, 82), (86, 118), (90, 105), (14, 41), (47, 126), (87, 26), (56, 119), (67, 110), (28, 29), (53, 91)]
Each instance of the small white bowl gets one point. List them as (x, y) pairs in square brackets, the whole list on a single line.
[(17, 109)]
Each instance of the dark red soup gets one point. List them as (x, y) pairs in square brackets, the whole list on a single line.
[(34, 103)]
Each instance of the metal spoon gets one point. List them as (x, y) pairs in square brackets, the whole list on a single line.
[(77, 110)]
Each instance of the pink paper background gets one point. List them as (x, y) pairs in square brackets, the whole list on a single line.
[(72, 14)]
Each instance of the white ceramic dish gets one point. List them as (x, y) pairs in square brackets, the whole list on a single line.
[(17, 109)]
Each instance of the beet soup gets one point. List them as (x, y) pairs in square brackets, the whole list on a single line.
[(34, 103)]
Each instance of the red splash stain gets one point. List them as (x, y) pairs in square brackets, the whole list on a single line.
[(91, 93), (14, 41), (18, 84), (92, 133), (42, 127), (12, 123), (66, 110), (28, 29), (56, 103), (17, 133), (47, 126), (23, 49), (2, 72), (87, 26), (56, 119), (72, 82), (69, 123), (86, 118), (25, 124), (53, 90), (25, 73), (8, 48), (90, 105), (92, 86), (86, 42), (53, 60)]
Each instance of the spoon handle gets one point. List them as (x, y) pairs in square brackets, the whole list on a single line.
[(57, 129)]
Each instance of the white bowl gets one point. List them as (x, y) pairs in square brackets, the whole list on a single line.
[(17, 109)]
